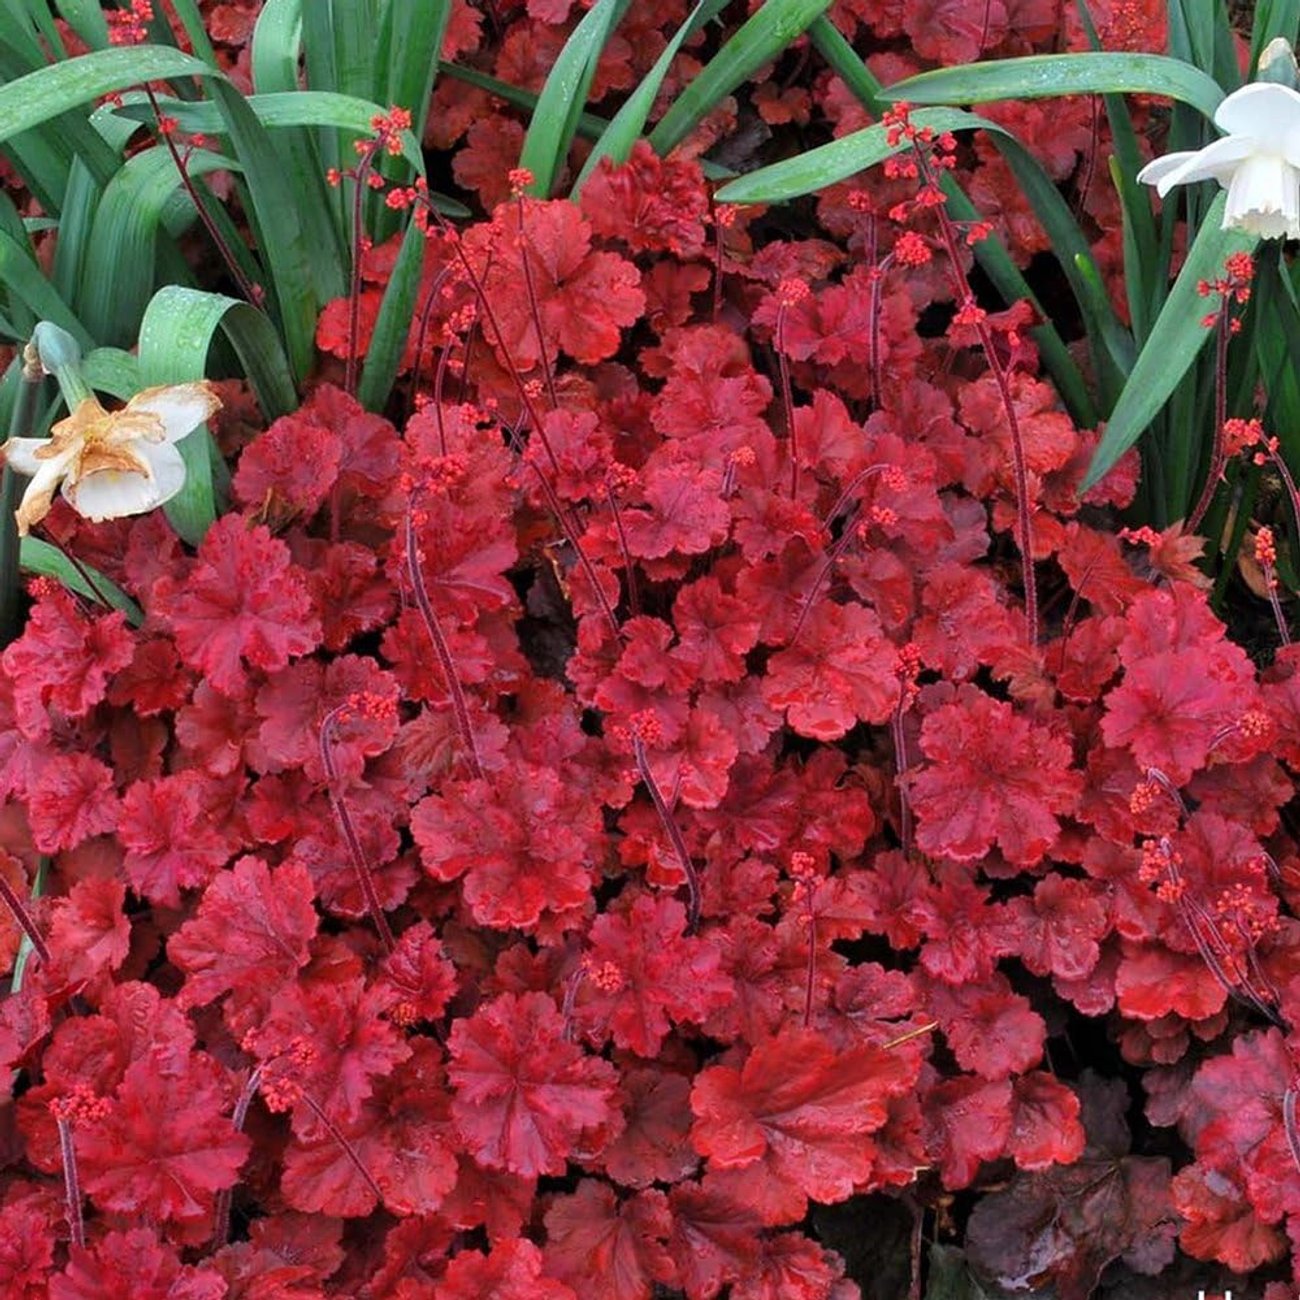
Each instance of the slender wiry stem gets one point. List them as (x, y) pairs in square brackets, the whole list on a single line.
[(787, 399), (459, 709), (359, 182), (1219, 452), (633, 592), (225, 1197), (533, 308), (248, 290), (353, 1155), (339, 805), (71, 1183), (674, 833), (26, 922), (899, 734), (1019, 462)]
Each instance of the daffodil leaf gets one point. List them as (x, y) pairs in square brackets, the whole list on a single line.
[(1043, 76)]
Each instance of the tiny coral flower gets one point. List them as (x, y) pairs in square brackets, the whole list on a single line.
[(111, 463), (1257, 161)]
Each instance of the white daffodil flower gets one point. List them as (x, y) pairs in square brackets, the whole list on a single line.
[(1257, 161), (111, 463)]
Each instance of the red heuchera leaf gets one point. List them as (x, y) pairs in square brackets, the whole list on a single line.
[(337, 1032), (524, 1094), (1184, 684), (583, 299), (419, 975), (644, 975), (89, 932), (26, 1253), (523, 842), (513, 1271), (714, 1238), (250, 935), (682, 511), (791, 1267), (992, 1031), (992, 777), (1061, 927), (288, 471), (165, 1147), (841, 670), (970, 1121), (1237, 1122), (609, 1250), (1045, 1128), (715, 631), (71, 799), (137, 1264), (170, 843), (654, 1146), (652, 204), (63, 660), (800, 1111), (1219, 1223), (243, 606)]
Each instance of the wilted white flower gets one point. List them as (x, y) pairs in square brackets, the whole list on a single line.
[(111, 463), (1257, 161)]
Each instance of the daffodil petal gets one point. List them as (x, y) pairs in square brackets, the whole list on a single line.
[(20, 455), (1158, 168), (1216, 161), (1264, 110), (180, 408), (39, 493)]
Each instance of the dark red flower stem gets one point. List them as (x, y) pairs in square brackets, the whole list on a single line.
[(249, 291), (674, 833), (1019, 463), (26, 922), (221, 1208), (359, 186), (787, 400), (339, 805), (552, 500), (71, 1183), (534, 309), (459, 709), (1219, 452)]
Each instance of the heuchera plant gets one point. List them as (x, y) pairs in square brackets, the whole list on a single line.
[(706, 762)]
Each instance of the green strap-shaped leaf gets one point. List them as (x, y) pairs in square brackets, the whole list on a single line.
[(1175, 340), (86, 18), (563, 97), (24, 280), (112, 370), (759, 41), (119, 266), (1048, 75), (41, 95), (625, 128), (175, 337), (37, 556), (828, 164)]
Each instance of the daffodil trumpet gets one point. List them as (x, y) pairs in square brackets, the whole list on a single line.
[(1258, 158)]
